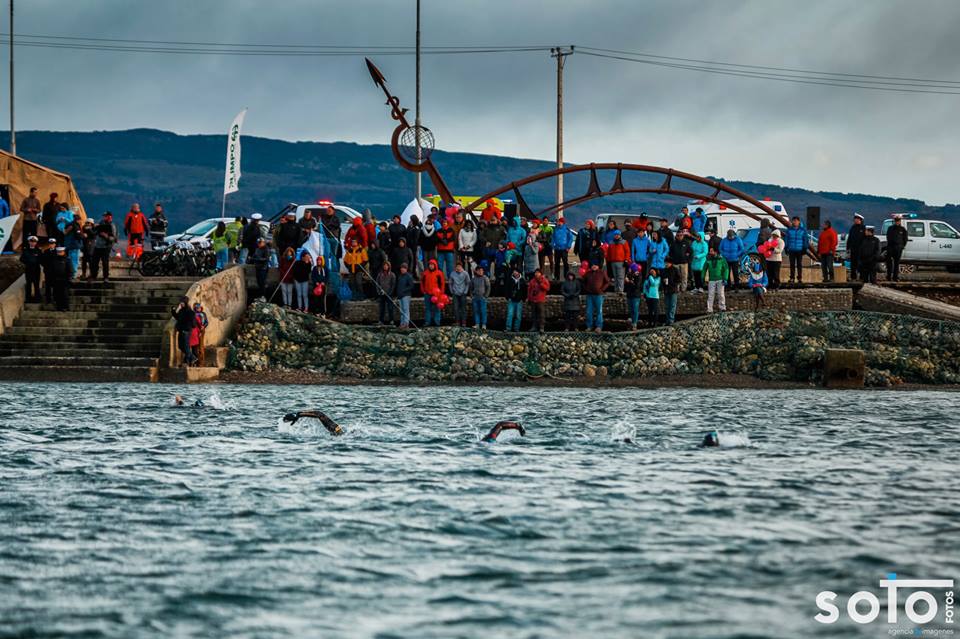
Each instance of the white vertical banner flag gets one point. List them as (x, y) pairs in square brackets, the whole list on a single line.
[(231, 180)]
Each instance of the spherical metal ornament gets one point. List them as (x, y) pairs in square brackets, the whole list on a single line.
[(408, 144)]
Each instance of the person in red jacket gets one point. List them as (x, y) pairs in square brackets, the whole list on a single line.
[(446, 247), (595, 283), (537, 289), (135, 227), (432, 284), (490, 213), (356, 232), (826, 248), (618, 256)]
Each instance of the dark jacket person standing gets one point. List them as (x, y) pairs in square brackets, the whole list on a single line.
[(186, 319), (897, 239), (854, 240), (869, 256)]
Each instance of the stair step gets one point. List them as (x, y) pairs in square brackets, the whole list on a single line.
[(79, 373), (81, 350), (110, 307), (53, 360), (132, 315), (79, 338), (24, 333), (92, 322)]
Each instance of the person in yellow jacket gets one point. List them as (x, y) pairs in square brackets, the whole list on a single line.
[(233, 237), (356, 261)]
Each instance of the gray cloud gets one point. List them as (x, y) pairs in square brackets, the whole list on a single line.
[(813, 136)]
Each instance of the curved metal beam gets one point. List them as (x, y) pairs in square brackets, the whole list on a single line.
[(666, 188)]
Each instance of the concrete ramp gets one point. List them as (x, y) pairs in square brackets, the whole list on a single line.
[(887, 300)]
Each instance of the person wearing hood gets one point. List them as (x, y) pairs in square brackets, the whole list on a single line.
[(595, 283), (561, 244), (386, 288), (772, 251), (400, 254), (459, 288), (657, 251), (826, 250), (516, 294), (301, 280), (854, 239), (651, 293), (467, 243), (757, 283), (491, 212), (356, 233), (570, 289), (698, 258), (479, 292), (319, 285), (369, 225), (633, 287), (537, 290), (531, 254), (376, 256), (516, 232), (584, 242), (432, 283), (446, 247), (869, 256), (797, 245), (404, 291), (597, 254), (732, 249), (356, 261)]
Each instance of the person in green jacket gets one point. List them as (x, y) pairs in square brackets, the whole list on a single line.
[(698, 259), (716, 271), (234, 230), (545, 237), (221, 245), (651, 291)]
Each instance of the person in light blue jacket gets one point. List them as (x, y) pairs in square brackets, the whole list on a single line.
[(796, 244), (731, 250), (515, 232), (562, 242), (651, 292), (640, 251), (698, 221), (698, 258), (657, 251), (757, 283)]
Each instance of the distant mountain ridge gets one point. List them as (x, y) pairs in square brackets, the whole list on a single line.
[(111, 169)]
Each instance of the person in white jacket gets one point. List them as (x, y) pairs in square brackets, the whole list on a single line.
[(466, 242), (773, 254)]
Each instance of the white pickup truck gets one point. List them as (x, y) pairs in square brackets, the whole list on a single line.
[(929, 243)]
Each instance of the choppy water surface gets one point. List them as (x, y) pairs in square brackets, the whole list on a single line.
[(121, 516)]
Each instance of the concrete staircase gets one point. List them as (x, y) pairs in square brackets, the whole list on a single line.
[(112, 332)]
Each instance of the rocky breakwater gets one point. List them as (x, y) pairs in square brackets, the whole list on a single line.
[(774, 345)]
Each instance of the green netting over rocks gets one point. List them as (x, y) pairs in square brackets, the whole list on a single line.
[(774, 345)]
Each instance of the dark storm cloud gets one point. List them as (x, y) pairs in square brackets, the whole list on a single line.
[(820, 137)]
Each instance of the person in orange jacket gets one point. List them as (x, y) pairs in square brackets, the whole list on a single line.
[(537, 290), (357, 233), (826, 248), (432, 284), (618, 256), (135, 227)]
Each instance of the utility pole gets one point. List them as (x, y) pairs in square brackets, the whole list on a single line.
[(416, 126), (560, 53), (13, 131)]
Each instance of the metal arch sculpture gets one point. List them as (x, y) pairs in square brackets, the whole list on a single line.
[(594, 191)]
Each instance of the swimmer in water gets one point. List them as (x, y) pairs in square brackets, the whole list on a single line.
[(332, 427), (500, 427), (711, 440), (178, 401)]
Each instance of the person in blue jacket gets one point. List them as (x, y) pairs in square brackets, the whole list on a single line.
[(657, 251), (796, 245), (640, 251), (731, 250), (698, 221), (609, 232), (757, 283), (515, 232), (562, 242)]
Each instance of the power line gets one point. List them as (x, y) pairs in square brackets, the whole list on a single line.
[(768, 68), (772, 76)]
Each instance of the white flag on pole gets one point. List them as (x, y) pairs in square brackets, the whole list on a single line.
[(231, 181)]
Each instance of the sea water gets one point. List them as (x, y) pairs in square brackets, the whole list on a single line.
[(124, 516)]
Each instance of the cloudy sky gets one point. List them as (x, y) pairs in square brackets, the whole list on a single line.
[(821, 137)]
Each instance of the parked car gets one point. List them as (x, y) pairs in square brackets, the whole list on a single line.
[(929, 243), (201, 231)]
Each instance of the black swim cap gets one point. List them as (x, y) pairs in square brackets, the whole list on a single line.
[(290, 417)]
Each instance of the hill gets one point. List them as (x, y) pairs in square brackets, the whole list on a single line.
[(111, 169)]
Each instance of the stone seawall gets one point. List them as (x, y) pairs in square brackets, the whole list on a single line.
[(770, 345), (615, 306)]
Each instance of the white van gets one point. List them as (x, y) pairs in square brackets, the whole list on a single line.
[(929, 242), (721, 217)]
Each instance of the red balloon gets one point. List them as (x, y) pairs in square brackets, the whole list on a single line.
[(435, 299)]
